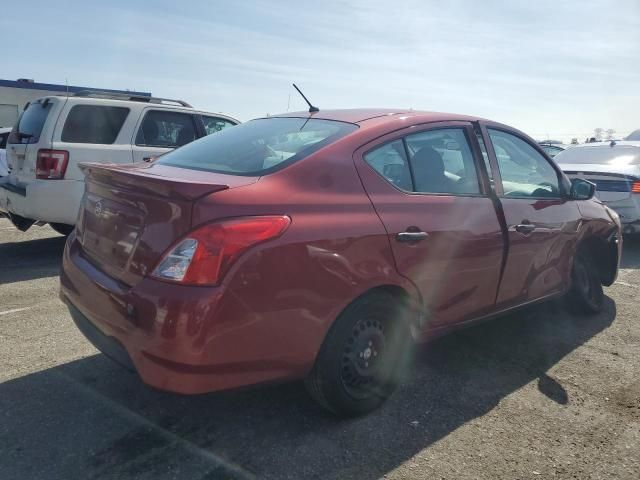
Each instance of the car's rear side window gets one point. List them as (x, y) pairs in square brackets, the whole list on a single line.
[(390, 161), (258, 147), (440, 161), (31, 122), (93, 124), (166, 129)]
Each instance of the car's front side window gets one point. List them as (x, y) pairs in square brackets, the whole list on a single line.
[(166, 129), (215, 124), (524, 171)]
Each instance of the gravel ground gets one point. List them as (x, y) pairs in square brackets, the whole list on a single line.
[(541, 394)]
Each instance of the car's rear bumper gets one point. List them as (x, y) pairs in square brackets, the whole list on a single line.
[(179, 338), (629, 211), (110, 346), (54, 201)]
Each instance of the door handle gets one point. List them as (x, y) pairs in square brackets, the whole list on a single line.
[(411, 237), (525, 228), (147, 159)]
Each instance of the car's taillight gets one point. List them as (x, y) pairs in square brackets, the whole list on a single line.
[(205, 255), (51, 164), (635, 188)]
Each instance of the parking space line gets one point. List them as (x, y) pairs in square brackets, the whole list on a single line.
[(170, 437), (14, 310)]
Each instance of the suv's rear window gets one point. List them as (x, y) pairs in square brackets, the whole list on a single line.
[(31, 122), (258, 147), (93, 124)]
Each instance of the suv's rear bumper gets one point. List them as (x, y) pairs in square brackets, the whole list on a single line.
[(55, 201), (178, 338)]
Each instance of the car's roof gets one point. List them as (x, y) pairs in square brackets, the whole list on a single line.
[(634, 136), (5, 129), (621, 143), (380, 115), (127, 102)]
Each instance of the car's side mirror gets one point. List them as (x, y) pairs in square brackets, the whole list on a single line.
[(582, 189)]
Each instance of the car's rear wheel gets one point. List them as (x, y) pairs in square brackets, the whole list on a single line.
[(586, 294), (363, 357), (62, 228)]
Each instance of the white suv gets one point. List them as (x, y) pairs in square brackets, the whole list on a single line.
[(56, 133)]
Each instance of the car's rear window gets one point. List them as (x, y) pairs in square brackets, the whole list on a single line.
[(258, 147), (93, 124), (603, 154), (31, 122)]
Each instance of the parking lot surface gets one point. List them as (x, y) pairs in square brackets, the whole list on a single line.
[(540, 394)]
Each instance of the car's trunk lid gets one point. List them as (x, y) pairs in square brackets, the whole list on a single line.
[(612, 183), (131, 214), (32, 132)]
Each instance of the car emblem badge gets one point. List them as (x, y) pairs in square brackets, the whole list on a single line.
[(97, 209)]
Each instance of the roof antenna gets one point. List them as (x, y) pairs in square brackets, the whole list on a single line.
[(312, 109)]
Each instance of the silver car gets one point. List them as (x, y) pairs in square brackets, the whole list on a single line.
[(615, 169)]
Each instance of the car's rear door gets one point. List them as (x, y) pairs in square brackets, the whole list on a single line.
[(425, 184), (542, 222), (160, 131)]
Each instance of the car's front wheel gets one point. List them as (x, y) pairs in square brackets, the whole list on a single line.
[(586, 294), (363, 357)]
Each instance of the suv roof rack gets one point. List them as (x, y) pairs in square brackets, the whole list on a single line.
[(130, 96)]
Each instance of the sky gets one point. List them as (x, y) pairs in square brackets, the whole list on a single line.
[(554, 69)]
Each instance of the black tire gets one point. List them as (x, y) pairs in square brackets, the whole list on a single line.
[(586, 294), (62, 228), (364, 356)]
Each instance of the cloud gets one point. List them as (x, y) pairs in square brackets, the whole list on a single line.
[(542, 66)]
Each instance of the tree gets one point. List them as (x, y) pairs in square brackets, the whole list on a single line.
[(598, 133), (610, 133)]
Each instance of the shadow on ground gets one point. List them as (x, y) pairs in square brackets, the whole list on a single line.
[(90, 419), (31, 259)]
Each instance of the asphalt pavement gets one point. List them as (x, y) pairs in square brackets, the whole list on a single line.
[(541, 394)]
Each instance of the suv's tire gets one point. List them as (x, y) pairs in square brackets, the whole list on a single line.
[(62, 228), (586, 294), (363, 357)]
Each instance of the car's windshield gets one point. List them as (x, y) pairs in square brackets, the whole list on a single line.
[(258, 147), (602, 154)]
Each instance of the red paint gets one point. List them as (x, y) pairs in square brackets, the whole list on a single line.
[(268, 316)]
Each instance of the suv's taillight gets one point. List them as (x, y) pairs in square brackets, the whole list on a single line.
[(635, 187), (51, 164), (207, 253)]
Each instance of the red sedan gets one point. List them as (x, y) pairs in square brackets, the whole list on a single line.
[(323, 246)]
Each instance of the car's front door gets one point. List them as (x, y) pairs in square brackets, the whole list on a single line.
[(542, 222), (424, 183)]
